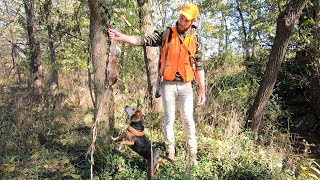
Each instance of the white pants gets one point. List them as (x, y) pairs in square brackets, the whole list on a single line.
[(181, 92)]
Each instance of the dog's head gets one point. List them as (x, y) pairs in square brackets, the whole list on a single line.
[(134, 114)]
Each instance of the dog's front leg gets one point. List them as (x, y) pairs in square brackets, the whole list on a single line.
[(127, 142), (120, 137)]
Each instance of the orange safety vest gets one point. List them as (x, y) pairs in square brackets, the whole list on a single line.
[(178, 59)]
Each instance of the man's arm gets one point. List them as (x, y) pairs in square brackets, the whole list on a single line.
[(202, 88), (199, 73), (130, 39), (154, 39)]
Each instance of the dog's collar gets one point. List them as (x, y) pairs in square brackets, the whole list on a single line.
[(136, 120), (135, 132)]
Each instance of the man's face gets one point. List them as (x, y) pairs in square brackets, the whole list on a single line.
[(183, 23)]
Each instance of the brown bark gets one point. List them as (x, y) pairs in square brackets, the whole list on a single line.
[(150, 54), (98, 54), (34, 45), (226, 38), (285, 24), (54, 70), (220, 35), (317, 20)]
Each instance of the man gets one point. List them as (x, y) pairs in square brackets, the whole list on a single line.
[(182, 61)]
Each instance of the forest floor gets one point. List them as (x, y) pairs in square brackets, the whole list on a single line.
[(40, 141)]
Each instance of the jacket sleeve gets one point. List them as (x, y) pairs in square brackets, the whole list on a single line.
[(156, 38), (198, 55), (153, 39)]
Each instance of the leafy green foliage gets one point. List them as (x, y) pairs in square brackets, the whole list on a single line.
[(71, 34), (116, 165), (235, 91), (39, 141)]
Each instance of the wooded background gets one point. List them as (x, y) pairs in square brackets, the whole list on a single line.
[(64, 84)]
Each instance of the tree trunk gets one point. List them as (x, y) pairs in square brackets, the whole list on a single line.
[(253, 47), (226, 36), (54, 70), (98, 54), (150, 54), (245, 34), (34, 45), (285, 24), (221, 35), (317, 20)]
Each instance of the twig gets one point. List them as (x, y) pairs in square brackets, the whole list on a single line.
[(151, 166), (89, 76), (91, 149)]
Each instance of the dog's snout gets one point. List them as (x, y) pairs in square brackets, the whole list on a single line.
[(129, 110)]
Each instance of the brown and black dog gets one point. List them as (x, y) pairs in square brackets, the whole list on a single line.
[(135, 138)]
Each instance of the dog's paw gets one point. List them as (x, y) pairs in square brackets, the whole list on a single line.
[(121, 147), (114, 138)]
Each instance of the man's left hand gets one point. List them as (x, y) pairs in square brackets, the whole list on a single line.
[(201, 98)]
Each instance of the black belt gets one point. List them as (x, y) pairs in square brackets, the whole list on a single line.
[(177, 77)]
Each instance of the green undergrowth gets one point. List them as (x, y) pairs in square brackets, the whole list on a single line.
[(42, 142), (218, 158), (233, 158)]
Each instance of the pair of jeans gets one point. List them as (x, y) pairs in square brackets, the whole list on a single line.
[(179, 92)]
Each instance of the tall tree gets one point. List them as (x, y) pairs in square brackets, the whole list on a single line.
[(52, 50), (98, 55), (12, 37), (317, 20), (223, 35), (285, 25), (34, 46), (150, 53), (244, 31), (104, 71)]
